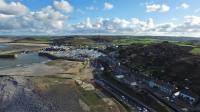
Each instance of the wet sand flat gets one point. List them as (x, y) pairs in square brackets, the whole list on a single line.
[(40, 95), (41, 88)]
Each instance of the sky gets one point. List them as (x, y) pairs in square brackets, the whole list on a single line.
[(96, 17)]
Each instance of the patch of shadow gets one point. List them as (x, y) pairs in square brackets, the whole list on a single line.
[(15, 97), (8, 89), (63, 97)]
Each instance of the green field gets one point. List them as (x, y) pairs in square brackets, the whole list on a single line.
[(184, 44), (90, 97), (35, 40), (128, 41), (95, 103), (195, 51)]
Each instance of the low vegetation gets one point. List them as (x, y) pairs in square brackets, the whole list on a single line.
[(34, 40), (95, 103), (165, 61), (196, 51), (128, 41)]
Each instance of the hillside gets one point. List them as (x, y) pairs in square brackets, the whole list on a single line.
[(165, 61)]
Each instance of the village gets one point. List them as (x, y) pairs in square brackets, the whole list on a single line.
[(130, 87), (99, 56), (169, 95), (178, 99), (70, 53)]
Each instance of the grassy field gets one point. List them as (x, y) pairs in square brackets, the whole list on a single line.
[(95, 103), (90, 97), (128, 41), (81, 41), (36, 40), (183, 44), (195, 51), (106, 40)]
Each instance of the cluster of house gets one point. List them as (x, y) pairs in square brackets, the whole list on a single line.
[(171, 90), (166, 89), (72, 52), (58, 48), (54, 48)]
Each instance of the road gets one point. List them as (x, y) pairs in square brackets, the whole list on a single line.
[(122, 96), (127, 78)]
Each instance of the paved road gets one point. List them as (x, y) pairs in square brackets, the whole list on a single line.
[(119, 69), (122, 96)]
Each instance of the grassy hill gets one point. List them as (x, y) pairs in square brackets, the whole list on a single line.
[(165, 61)]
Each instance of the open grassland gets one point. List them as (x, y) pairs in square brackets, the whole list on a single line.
[(184, 44), (80, 41), (34, 40), (95, 102), (128, 41), (104, 40), (195, 51)]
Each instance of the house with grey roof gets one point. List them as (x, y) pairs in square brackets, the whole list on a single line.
[(162, 86), (187, 95)]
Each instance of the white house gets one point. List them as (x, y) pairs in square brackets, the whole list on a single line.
[(119, 76), (187, 95)]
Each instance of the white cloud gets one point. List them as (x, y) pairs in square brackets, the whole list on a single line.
[(115, 25), (91, 8), (152, 8), (185, 5), (135, 26), (20, 19), (164, 8), (157, 8), (108, 6), (190, 27), (50, 20), (12, 8), (195, 20), (164, 28), (48, 17), (63, 5)]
